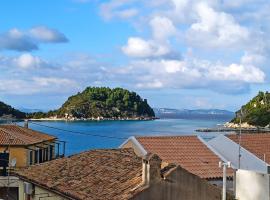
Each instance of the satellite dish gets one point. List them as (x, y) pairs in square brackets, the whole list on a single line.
[(13, 162)]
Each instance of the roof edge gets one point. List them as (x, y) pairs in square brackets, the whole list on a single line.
[(212, 149), (136, 143)]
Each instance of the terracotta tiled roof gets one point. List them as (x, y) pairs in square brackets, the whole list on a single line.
[(97, 174), (258, 144), (187, 151), (17, 135)]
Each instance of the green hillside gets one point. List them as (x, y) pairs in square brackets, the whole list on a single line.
[(95, 102), (256, 111), (7, 112)]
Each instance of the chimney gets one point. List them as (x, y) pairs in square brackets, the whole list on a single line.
[(26, 123), (151, 165)]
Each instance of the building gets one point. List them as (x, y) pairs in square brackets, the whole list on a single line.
[(228, 150), (190, 152), (258, 144), (201, 156), (112, 174), (27, 146), (21, 147)]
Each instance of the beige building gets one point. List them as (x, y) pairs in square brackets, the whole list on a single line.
[(115, 174), (22, 147)]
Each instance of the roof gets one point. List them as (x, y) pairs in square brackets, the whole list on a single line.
[(256, 143), (17, 135), (228, 150), (96, 174), (187, 151)]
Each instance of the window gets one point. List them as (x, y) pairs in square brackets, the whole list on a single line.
[(36, 156), (51, 152), (40, 156), (30, 157)]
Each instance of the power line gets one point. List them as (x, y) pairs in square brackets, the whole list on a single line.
[(81, 133)]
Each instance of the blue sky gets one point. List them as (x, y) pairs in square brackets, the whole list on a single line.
[(176, 53)]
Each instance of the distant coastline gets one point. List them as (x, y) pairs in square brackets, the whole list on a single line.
[(95, 119)]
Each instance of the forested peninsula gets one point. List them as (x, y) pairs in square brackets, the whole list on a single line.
[(101, 103)]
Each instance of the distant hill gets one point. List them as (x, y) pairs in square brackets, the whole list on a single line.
[(256, 112), (192, 114), (29, 110), (102, 102), (7, 112)]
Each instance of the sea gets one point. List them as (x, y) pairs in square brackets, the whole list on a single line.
[(86, 135)]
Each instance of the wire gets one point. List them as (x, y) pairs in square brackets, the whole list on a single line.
[(81, 133)]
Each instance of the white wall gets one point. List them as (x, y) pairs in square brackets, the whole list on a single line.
[(252, 185)]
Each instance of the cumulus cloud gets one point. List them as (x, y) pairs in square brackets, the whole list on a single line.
[(140, 48), (216, 29), (29, 40), (16, 40), (162, 28), (26, 61), (45, 34)]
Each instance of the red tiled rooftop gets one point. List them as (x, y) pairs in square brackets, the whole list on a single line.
[(187, 151), (256, 143), (17, 135), (97, 174)]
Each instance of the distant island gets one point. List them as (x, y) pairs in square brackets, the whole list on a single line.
[(8, 112), (100, 103), (256, 112), (193, 114)]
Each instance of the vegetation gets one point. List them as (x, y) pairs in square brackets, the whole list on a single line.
[(7, 111), (95, 102), (256, 112)]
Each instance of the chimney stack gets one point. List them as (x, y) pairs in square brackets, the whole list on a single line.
[(26, 123), (151, 169)]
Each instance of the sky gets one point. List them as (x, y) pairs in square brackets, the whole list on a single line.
[(189, 54)]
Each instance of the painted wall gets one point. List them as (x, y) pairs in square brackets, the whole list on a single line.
[(252, 185), (20, 153), (39, 194)]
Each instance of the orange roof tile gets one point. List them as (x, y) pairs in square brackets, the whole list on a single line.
[(187, 151), (97, 174), (256, 143), (17, 135)]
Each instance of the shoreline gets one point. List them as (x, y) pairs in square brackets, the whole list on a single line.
[(95, 119)]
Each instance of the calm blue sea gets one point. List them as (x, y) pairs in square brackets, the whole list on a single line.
[(123, 129)]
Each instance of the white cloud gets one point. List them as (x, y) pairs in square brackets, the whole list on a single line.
[(37, 85), (237, 72), (137, 47), (162, 28), (118, 9), (18, 40), (46, 34), (26, 61), (216, 29)]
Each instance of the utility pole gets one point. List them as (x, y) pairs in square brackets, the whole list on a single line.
[(239, 140), (224, 165)]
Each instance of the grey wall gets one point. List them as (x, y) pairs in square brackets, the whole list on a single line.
[(181, 185)]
